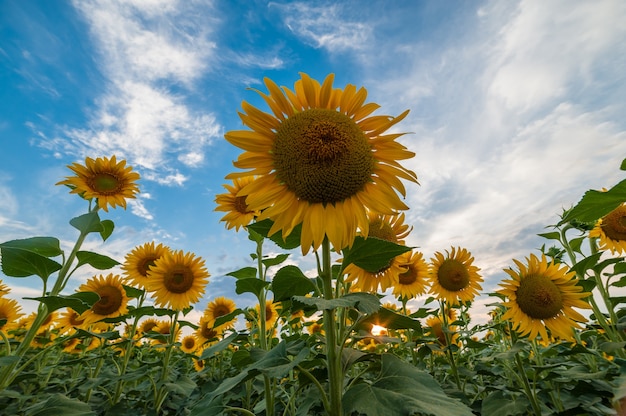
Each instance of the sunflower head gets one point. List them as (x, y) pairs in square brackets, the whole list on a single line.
[(139, 261), (113, 300), (388, 227), (320, 160), (10, 312), (413, 281), (542, 295), (189, 344), (206, 332), (611, 230), (219, 307), (238, 214), (177, 280), (454, 277), (107, 180)]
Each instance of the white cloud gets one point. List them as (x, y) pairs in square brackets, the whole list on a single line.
[(325, 26)]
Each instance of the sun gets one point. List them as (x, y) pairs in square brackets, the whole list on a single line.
[(177, 280), (321, 160), (453, 276), (542, 295), (109, 181)]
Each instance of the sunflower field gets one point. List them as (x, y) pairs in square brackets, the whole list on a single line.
[(321, 174)]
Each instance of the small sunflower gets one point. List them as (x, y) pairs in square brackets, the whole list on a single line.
[(177, 280), (220, 307), (238, 213), (147, 325), (453, 277), (165, 329), (540, 295), (189, 344), (435, 326), (388, 227), (414, 280), (69, 320), (198, 364), (113, 299), (10, 311), (271, 313), (107, 180), (139, 261), (206, 332), (321, 160), (611, 230)]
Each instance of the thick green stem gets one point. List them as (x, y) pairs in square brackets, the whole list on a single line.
[(530, 392), (448, 336), (333, 351)]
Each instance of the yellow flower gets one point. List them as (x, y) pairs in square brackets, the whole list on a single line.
[(611, 230), (316, 328), (107, 180), (206, 332), (69, 320), (238, 213), (164, 328), (113, 299), (321, 161), (189, 344), (177, 280), (435, 326), (271, 313), (198, 364), (139, 261), (413, 281), (147, 325), (453, 277), (10, 311), (384, 227), (220, 307), (540, 295), (4, 289)]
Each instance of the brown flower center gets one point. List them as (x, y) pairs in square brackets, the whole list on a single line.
[(614, 224), (105, 183), (539, 297), (144, 265), (220, 310), (322, 156), (269, 313), (240, 205), (110, 300), (208, 332), (189, 343), (408, 277), (178, 280), (74, 319), (453, 275)]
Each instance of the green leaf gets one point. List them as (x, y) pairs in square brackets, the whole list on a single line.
[(499, 403), (150, 311), (401, 390), (623, 165), (245, 273), (59, 404), (227, 318), (290, 281), (133, 292), (250, 286), (275, 260), (390, 320), (28, 257), (88, 223), (80, 301), (596, 204), (585, 264), (292, 241), (95, 260), (555, 235), (107, 229), (372, 254), (364, 302)]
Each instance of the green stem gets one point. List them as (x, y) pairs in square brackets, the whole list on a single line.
[(162, 391), (317, 384), (530, 392), (333, 351), (446, 332)]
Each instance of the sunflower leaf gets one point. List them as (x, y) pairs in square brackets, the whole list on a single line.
[(290, 281), (401, 390), (227, 318), (390, 320), (371, 254), (80, 301), (30, 256), (364, 302), (273, 261), (263, 228), (95, 260), (245, 273), (133, 292), (107, 229), (87, 223), (596, 204), (59, 404), (254, 286)]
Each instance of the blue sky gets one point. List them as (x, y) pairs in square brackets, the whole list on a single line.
[(517, 108)]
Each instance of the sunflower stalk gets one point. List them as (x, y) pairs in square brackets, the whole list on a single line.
[(448, 336), (162, 392), (530, 391)]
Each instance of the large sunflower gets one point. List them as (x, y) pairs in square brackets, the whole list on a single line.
[(541, 295), (10, 311), (220, 307), (113, 299), (107, 180), (611, 230), (321, 160), (177, 280), (413, 281), (139, 261), (454, 277), (238, 213)]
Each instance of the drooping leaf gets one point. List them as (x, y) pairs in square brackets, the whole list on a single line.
[(292, 241), (95, 260), (250, 286), (401, 390), (30, 256), (59, 404), (364, 302), (45, 246), (107, 229), (372, 254), (391, 320), (596, 204), (133, 292), (290, 281), (80, 301), (88, 223)]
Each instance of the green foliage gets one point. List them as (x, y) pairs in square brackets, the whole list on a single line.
[(30, 256), (371, 254)]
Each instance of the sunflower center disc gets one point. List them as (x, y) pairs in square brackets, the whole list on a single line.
[(322, 156), (539, 297), (614, 224), (220, 311), (453, 275), (382, 230), (105, 183), (110, 300), (179, 280), (408, 277), (145, 265)]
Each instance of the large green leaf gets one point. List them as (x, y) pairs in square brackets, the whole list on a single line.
[(290, 281), (292, 241), (95, 260), (59, 404), (401, 390), (596, 204), (372, 254), (245, 273), (88, 223), (250, 286), (390, 320), (364, 302), (273, 261), (30, 256), (80, 301)]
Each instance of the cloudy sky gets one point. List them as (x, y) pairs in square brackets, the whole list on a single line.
[(517, 108)]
